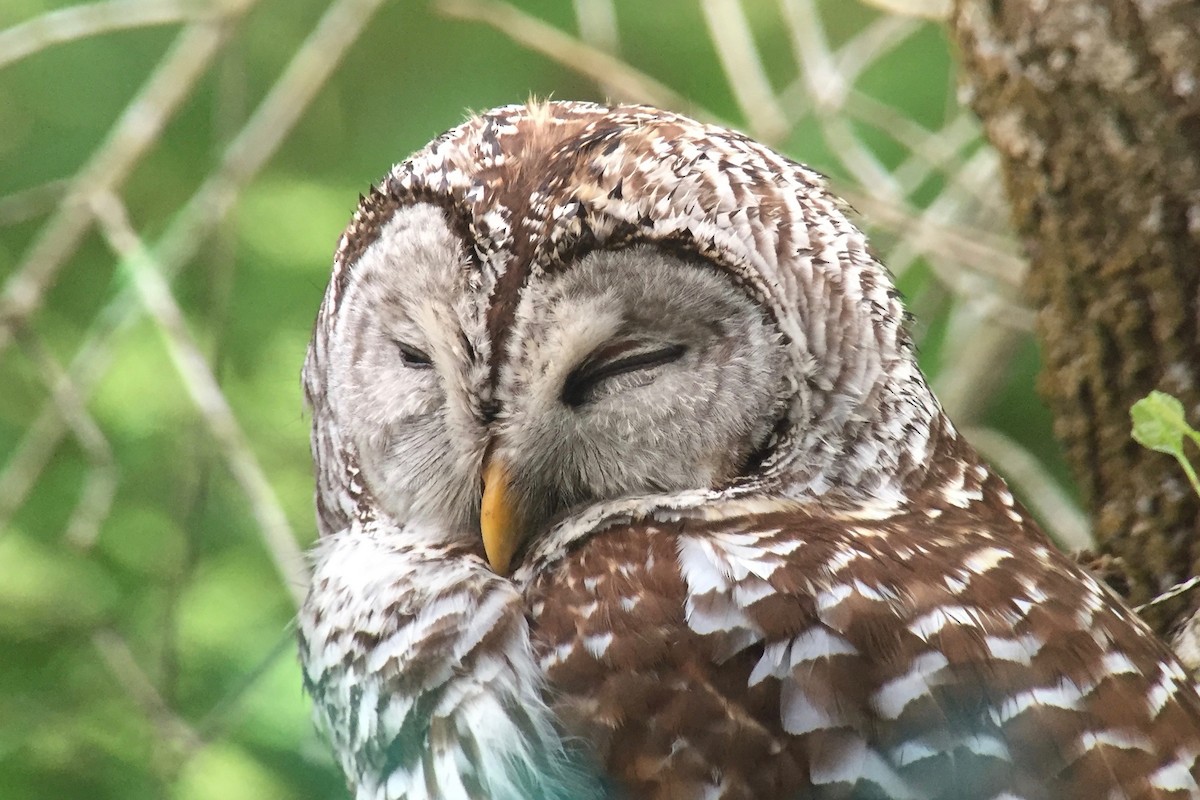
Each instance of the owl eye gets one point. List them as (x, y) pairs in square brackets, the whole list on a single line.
[(413, 357), (618, 358)]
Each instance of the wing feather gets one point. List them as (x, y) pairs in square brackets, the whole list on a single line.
[(804, 655)]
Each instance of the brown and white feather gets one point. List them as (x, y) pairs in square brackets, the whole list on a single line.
[(857, 608)]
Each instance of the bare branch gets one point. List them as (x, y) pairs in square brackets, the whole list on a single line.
[(83, 21), (597, 23), (321, 51), (30, 203), (812, 51), (929, 9), (730, 33), (135, 131), (206, 393), (873, 43), (116, 655), (857, 157), (100, 485), (540, 37), (977, 251), (316, 59)]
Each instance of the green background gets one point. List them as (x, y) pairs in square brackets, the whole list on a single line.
[(157, 661)]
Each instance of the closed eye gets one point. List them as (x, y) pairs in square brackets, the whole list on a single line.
[(618, 358), (413, 357)]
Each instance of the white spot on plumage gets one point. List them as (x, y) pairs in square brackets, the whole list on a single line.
[(843, 557), (879, 594), (985, 558), (773, 662), (1177, 775), (1020, 650), (557, 655), (719, 614), (818, 643), (1024, 605), (1115, 738), (912, 751), (982, 744), (1118, 664), (800, 715), (751, 590), (697, 564), (895, 695), (598, 644), (1161, 692), (856, 762), (932, 622), (1065, 695), (830, 598)]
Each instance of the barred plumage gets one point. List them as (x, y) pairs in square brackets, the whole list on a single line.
[(753, 559)]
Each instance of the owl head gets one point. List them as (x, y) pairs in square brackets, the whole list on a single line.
[(561, 308)]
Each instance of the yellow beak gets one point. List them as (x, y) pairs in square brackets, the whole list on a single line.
[(496, 518)]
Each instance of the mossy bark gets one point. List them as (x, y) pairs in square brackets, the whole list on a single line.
[(1094, 108)]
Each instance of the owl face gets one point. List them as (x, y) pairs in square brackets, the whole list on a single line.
[(554, 306), (635, 371)]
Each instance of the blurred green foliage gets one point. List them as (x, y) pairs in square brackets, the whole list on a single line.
[(158, 660)]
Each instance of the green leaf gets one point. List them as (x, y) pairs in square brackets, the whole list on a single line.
[(1159, 424)]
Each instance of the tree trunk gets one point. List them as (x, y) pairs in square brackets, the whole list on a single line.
[(1094, 108)]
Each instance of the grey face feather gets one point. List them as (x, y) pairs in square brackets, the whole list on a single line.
[(416, 427), (634, 372), (681, 373)]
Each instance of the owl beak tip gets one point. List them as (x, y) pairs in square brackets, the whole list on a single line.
[(497, 518)]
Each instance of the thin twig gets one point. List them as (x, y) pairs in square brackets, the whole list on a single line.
[(1170, 594), (926, 147), (100, 485), (308, 70), (954, 268), (945, 150), (811, 50), (730, 33), (597, 23), (274, 118), (871, 44), (30, 203), (84, 21), (206, 393), (936, 10), (977, 251), (223, 713), (134, 132), (867, 170), (117, 656), (629, 84)]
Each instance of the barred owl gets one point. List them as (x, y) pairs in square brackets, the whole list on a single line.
[(630, 486)]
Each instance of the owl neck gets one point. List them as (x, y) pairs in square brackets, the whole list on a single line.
[(870, 433), (420, 666)]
